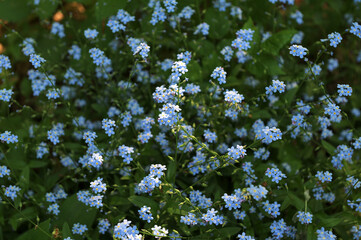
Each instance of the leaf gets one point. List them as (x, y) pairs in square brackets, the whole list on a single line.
[(219, 24), (18, 218), (290, 95), (171, 172), (274, 43), (46, 9), (285, 203), (66, 230), (37, 164), (24, 178), (141, 201), (194, 72), (73, 211), (228, 232), (333, 220), (310, 233), (14, 11), (329, 148), (107, 8), (37, 232), (296, 201)]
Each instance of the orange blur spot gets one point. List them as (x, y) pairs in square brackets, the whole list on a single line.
[(58, 16), (77, 10)]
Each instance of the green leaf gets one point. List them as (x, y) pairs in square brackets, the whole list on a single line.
[(333, 220), (273, 44), (171, 172), (37, 164), (141, 201), (285, 203), (18, 218), (24, 178), (329, 148), (46, 9), (219, 24), (228, 232), (310, 233), (107, 8), (296, 201), (73, 211), (194, 71), (66, 230), (14, 11), (38, 233)]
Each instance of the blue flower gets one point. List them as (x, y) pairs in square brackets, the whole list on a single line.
[(143, 49), (304, 217), (90, 33), (36, 60), (79, 228), (356, 29), (145, 214), (5, 95), (58, 29), (202, 28), (4, 63), (219, 74), (334, 38), (344, 90), (298, 51)]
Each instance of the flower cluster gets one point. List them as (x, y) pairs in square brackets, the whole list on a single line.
[(298, 51), (8, 137), (344, 90), (36, 60), (79, 228), (145, 214), (108, 125), (219, 74), (334, 38), (304, 217), (275, 174), (4, 62)]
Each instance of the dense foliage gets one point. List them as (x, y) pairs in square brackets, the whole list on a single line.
[(188, 119)]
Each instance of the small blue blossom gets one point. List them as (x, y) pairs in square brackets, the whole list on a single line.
[(344, 90), (298, 51), (323, 234), (4, 62), (91, 33), (304, 217), (79, 228), (5, 95), (8, 137), (143, 49), (356, 29), (186, 13), (108, 125), (53, 94), (36, 60), (75, 52), (57, 29), (145, 214), (243, 236), (202, 28), (334, 38), (298, 16), (275, 174), (227, 52), (11, 191), (219, 74), (324, 176)]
